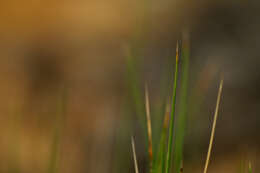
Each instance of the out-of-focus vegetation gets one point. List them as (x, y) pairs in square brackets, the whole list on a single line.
[(73, 77)]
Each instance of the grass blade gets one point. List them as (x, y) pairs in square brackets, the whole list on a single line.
[(213, 127), (159, 162), (170, 138), (182, 116), (149, 126), (134, 155)]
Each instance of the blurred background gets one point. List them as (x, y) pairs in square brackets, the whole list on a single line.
[(72, 77)]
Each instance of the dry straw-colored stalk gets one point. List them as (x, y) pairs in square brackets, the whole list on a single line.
[(134, 155), (213, 127), (149, 126)]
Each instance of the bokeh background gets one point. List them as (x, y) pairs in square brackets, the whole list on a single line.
[(66, 101)]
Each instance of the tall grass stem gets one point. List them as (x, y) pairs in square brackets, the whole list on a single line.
[(134, 155), (149, 125), (170, 138), (213, 127)]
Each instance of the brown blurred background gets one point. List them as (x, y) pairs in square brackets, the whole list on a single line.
[(63, 81)]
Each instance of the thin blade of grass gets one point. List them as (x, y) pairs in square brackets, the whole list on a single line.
[(182, 116), (164, 136), (134, 155), (149, 126), (170, 135), (159, 162), (213, 127)]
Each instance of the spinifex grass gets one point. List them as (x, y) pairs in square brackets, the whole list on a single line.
[(169, 152), (170, 138)]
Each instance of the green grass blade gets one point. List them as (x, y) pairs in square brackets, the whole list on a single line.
[(182, 116), (170, 138), (213, 127), (159, 161), (163, 143)]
